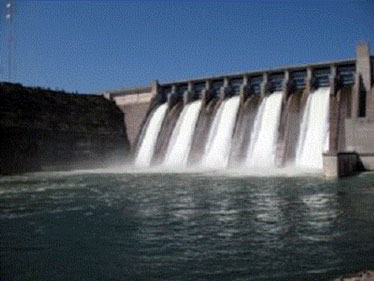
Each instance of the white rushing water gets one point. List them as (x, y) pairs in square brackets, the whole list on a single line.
[(314, 128), (181, 139), (218, 146), (264, 134), (145, 152)]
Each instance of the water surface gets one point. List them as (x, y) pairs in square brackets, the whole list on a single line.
[(150, 226)]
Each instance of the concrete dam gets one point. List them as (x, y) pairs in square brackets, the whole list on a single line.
[(310, 117)]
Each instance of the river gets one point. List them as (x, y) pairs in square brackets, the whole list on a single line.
[(91, 225)]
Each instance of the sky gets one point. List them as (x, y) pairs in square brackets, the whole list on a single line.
[(95, 46)]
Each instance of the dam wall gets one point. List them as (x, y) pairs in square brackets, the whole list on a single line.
[(359, 138), (135, 103), (48, 130), (349, 121)]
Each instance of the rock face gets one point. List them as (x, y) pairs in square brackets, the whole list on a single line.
[(48, 130)]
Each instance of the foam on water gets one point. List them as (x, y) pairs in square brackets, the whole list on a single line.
[(314, 128), (146, 148), (180, 143), (264, 134), (218, 146)]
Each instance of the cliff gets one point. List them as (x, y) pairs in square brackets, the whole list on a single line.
[(48, 130)]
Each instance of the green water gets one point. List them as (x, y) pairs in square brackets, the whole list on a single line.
[(91, 226)]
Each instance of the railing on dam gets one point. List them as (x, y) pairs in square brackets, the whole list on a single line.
[(255, 83), (294, 77), (299, 77), (335, 74)]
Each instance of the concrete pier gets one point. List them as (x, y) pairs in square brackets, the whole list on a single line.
[(264, 85), (342, 164), (173, 98), (225, 91), (287, 85), (207, 93), (244, 90), (188, 95), (309, 80)]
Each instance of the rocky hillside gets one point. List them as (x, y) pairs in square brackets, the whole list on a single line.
[(47, 130)]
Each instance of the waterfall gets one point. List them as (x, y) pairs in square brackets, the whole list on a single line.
[(261, 150), (313, 138), (146, 148), (181, 139), (217, 149), (264, 135)]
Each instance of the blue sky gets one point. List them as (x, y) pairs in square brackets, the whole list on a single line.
[(92, 46)]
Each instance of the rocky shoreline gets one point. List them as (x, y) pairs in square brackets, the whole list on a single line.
[(364, 275)]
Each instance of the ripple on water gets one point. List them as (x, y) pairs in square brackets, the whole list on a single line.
[(186, 226)]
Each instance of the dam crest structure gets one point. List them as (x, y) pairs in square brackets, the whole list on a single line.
[(317, 117)]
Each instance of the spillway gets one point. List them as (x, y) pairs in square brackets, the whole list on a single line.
[(217, 149), (264, 135), (147, 145), (314, 128), (180, 143)]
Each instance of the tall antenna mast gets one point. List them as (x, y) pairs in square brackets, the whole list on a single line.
[(9, 17)]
